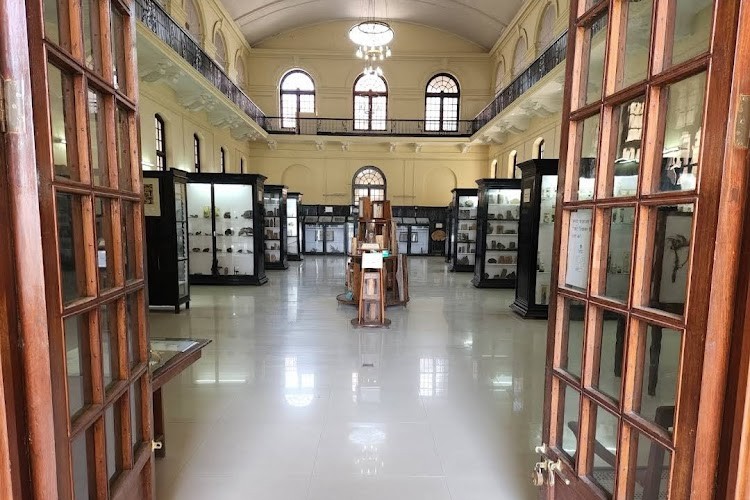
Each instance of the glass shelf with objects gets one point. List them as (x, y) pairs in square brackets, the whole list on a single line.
[(314, 236), (293, 227), (165, 211), (535, 238), (497, 236), (464, 230), (224, 214), (274, 227)]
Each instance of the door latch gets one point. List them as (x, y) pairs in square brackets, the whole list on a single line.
[(156, 445), (546, 470)]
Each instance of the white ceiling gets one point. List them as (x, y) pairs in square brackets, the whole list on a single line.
[(480, 21)]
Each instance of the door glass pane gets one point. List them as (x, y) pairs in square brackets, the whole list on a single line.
[(128, 239), (579, 247), (62, 124), (651, 475), (628, 125), (110, 344), (123, 148), (114, 432), (97, 139), (659, 374), (136, 423), (199, 228), (594, 77), (604, 448), (234, 234), (590, 3), (570, 400), (589, 148), (573, 329), (104, 258), (692, 29), (91, 35), (608, 373), (670, 268), (77, 363), (634, 59), (71, 240), (84, 463), (621, 227), (131, 324), (56, 22), (118, 47), (682, 133)]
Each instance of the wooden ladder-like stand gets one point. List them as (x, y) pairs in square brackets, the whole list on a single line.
[(371, 310)]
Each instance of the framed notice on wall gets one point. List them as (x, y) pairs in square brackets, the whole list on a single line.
[(579, 246), (151, 202)]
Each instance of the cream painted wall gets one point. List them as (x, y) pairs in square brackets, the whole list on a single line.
[(324, 51), (180, 125), (525, 144), (325, 177)]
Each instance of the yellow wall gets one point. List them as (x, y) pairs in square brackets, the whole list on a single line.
[(325, 52), (524, 144), (180, 125), (325, 177)]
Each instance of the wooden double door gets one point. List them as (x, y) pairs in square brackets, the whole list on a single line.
[(651, 197), (75, 368)]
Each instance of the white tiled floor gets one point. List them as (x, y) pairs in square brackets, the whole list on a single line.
[(280, 407)]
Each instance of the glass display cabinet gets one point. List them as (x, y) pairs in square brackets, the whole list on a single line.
[(464, 230), (351, 232), (225, 212), (335, 234), (413, 235), (535, 237), (293, 227), (314, 235), (165, 210), (449, 233), (497, 235), (274, 227)]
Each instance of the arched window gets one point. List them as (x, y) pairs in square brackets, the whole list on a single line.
[(441, 104), (223, 160), (519, 56), (241, 73), (370, 102), (546, 28), (193, 20), (297, 96), (197, 152), (500, 76), (221, 50), (368, 181), (540, 149), (161, 143), (513, 164)]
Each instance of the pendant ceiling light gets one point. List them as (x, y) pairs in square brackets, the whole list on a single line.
[(372, 37)]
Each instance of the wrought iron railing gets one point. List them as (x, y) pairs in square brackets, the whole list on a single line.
[(156, 19), (541, 67), (347, 126)]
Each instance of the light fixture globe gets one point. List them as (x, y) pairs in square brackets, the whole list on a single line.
[(373, 34)]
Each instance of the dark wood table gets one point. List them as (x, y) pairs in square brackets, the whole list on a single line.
[(169, 357)]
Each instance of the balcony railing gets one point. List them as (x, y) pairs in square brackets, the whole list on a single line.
[(345, 126), (540, 68), (155, 18)]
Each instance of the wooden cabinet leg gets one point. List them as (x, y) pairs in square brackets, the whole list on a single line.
[(158, 407)]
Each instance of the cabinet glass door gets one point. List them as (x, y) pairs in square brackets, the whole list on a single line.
[(200, 229), (272, 223), (233, 219), (420, 237), (292, 227), (501, 251), (402, 234), (546, 238), (314, 235), (466, 230)]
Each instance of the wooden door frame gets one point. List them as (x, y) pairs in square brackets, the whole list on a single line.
[(722, 200), (35, 475)]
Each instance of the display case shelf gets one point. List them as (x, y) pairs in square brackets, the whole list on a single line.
[(497, 235), (463, 229), (274, 227), (167, 240), (536, 234), (293, 227), (225, 212)]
